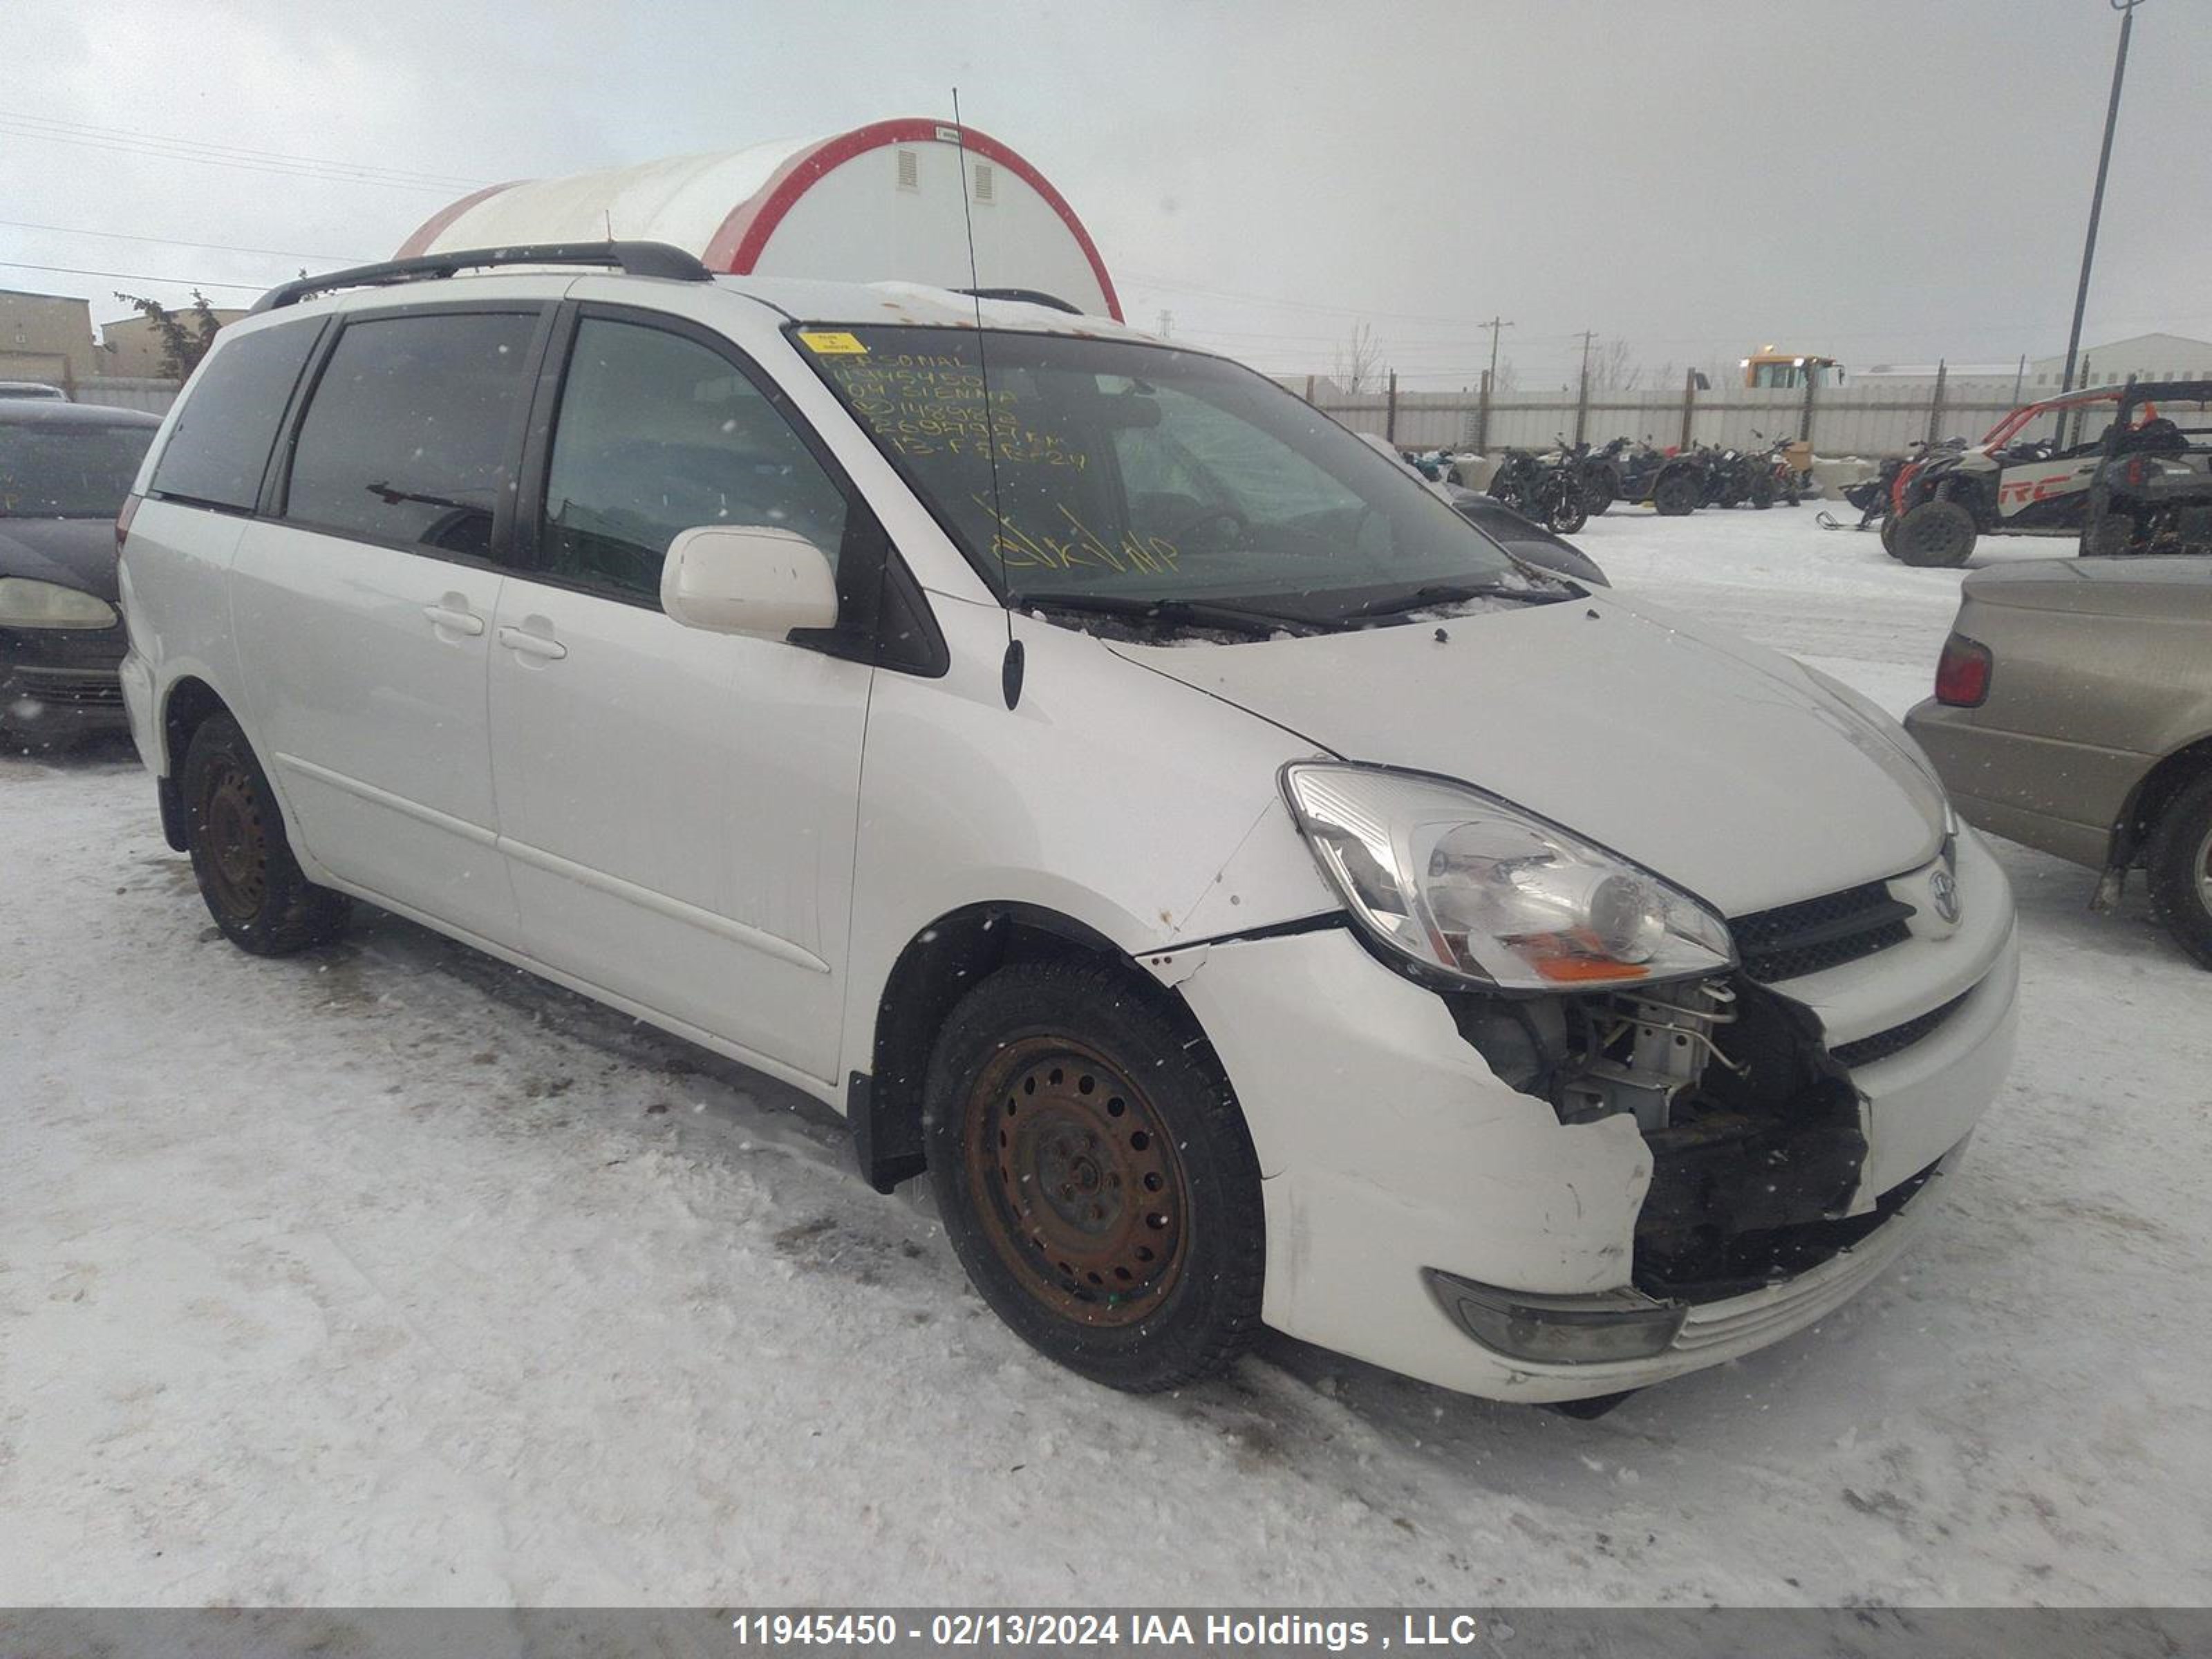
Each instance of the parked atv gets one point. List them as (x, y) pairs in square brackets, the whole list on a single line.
[(1671, 483)]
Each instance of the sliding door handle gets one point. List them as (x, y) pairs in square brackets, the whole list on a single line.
[(461, 621), (527, 644)]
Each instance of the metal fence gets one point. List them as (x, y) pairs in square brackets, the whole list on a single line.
[(1868, 419), (128, 392)]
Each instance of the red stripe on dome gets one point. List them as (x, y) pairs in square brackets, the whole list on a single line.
[(737, 246), (439, 222)]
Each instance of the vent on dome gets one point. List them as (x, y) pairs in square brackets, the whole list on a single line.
[(909, 171), (984, 181)]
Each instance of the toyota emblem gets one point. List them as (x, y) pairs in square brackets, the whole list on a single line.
[(1943, 888)]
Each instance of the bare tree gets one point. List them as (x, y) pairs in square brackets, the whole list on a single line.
[(1359, 361), (1508, 378), (1614, 367)]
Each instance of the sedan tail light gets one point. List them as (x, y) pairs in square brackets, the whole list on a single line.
[(123, 520), (1962, 675)]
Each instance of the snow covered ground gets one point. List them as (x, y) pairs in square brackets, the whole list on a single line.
[(389, 1274)]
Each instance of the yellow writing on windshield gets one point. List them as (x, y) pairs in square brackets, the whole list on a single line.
[(1075, 545)]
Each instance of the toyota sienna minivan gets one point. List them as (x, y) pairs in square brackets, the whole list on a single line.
[(1246, 892)]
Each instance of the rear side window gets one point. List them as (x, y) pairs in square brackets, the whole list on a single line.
[(410, 434), (219, 448)]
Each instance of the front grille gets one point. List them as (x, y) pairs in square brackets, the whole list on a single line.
[(1897, 1039), (1792, 940), (79, 687)]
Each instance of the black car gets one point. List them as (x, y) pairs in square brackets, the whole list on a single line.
[(1524, 538), (64, 470)]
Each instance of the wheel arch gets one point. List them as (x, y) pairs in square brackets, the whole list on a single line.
[(186, 705), (2147, 801), (936, 968)]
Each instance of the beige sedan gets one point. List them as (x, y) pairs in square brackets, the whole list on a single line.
[(2073, 711)]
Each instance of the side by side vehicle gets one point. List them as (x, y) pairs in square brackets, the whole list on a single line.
[(2019, 481), (1245, 891)]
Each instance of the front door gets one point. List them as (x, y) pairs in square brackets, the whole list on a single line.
[(364, 610), (678, 808)]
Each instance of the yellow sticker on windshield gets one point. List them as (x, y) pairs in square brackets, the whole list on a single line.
[(832, 345)]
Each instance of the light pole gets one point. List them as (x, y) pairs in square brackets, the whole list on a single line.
[(2127, 10)]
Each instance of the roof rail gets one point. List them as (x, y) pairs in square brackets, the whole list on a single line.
[(1028, 296), (632, 259)]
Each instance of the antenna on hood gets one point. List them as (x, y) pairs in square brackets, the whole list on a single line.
[(1010, 674)]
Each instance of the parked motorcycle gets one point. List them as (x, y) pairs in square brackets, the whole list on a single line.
[(1547, 491)]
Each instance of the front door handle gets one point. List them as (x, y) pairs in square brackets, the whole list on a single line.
[(532, 645), (461, 621)]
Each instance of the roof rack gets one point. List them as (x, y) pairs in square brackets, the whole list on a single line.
[(631, 259), (1028, 296)]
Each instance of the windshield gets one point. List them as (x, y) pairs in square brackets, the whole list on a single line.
[(1133, 475), (72, 472)]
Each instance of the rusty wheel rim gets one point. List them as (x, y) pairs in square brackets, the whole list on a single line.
[(1077, 1182), (237, 843)]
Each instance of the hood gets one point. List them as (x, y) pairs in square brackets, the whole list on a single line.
[(76, 553), (1725, 768)]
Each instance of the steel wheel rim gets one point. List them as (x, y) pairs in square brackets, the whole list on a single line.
[(1077, 1182), (237, 844)]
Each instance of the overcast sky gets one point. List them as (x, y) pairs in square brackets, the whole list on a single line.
[(1882, 179)]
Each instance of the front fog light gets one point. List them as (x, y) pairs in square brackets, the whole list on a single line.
[(1559, 1330)]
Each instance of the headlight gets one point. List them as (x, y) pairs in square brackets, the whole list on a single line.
[(26, 603), (1479, 890)]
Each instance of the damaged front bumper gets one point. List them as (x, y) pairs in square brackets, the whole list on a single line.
[(1424, 1216)]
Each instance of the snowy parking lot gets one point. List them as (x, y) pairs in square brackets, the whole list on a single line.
[(389, 1274)]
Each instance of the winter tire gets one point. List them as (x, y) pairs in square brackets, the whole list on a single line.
[(1676, 495), (1762, 491), (1094, 1176), (1889, 534), (253, 884), (1936, 534), (2179, 859)]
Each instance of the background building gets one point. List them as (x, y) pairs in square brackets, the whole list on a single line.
[(46, 338), (133, 346)]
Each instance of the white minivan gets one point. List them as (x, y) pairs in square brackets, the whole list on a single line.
[(1249, 894)]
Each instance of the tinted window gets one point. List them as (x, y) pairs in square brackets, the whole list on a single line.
[(219, 445), (408, 435), (50, 470), (658, 434)]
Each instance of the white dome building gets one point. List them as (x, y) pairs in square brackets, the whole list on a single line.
[(880, 203)]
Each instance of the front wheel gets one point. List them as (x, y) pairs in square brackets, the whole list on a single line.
[(2179, 859), (1675, 496), (1095, 1177), (253, 886), (1936, 534)]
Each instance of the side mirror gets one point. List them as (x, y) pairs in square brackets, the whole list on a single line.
[(728, 579)]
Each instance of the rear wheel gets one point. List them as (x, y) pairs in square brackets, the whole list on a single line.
[(1937, 533), (2179, 859), (253, 886), (1676, 495), (1095, 1177), (1762, 490), (1889, 534)]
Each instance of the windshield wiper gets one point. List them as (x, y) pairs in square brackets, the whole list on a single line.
[(1179, 613), (1436, 593)]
